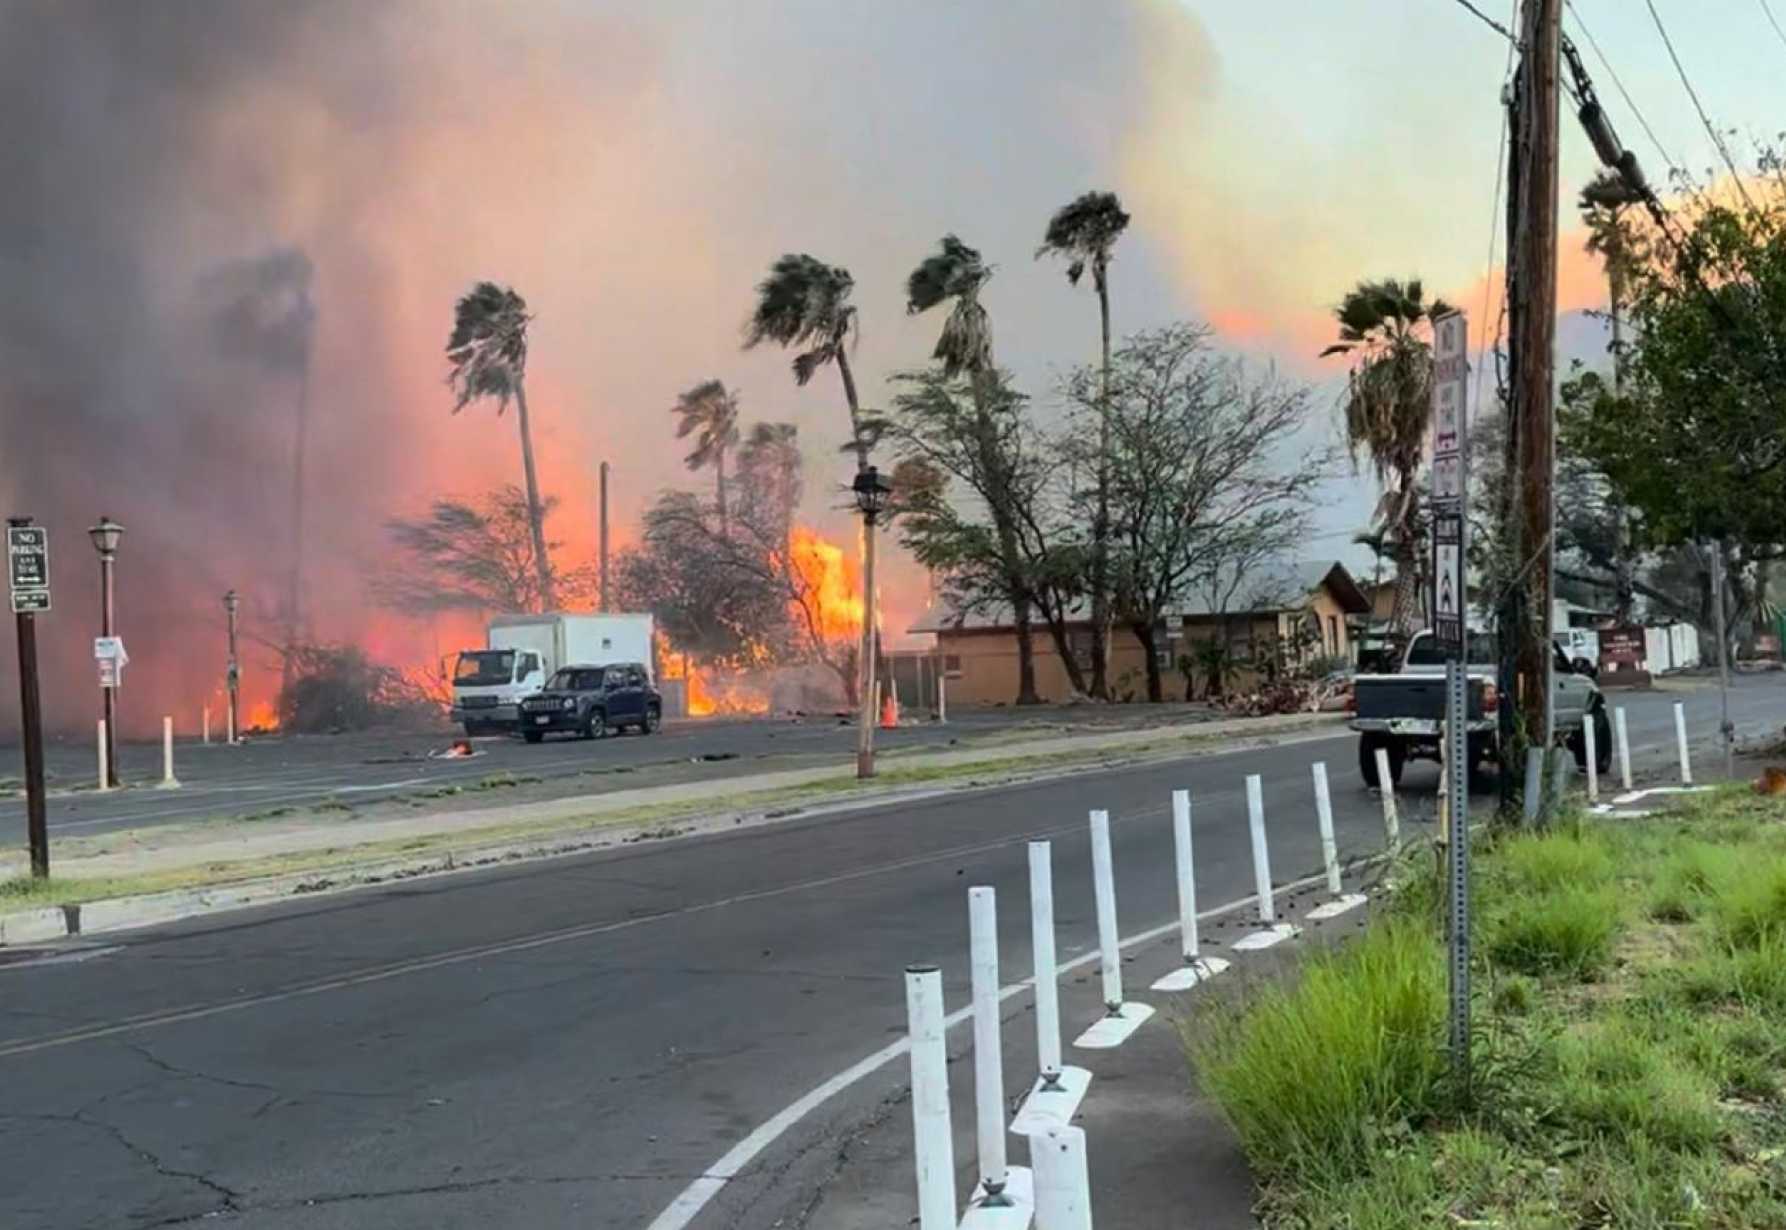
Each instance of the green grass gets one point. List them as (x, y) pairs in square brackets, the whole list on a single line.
[(1630, 1053)]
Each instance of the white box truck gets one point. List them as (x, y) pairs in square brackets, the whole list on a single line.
[(524, 651)]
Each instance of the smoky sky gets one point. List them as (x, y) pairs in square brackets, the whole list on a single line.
[(203, 202)]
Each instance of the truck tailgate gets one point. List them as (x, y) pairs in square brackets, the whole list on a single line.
[(1420, 697)]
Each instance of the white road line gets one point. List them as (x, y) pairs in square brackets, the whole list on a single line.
[(696, 1196)]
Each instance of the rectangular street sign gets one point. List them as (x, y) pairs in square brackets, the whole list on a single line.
[(28, 566), (1449, 485)]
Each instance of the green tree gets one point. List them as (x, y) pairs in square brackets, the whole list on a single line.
[(1384, 327), (804, 305), (473, 555), (955, 274), (1084, 231), (709, 412), (487, 358)]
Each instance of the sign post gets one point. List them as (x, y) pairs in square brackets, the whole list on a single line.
[(28, 559), (1450, 506)]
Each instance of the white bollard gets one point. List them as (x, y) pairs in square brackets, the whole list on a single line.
[(1120, 1019), (1063, 1181), (1392, 824), (1590, 741), (942, 697), (1324, 819), (1255, 814), (932, 1136), (205, 724), (1618, 719), (1680, 736), (167, 753), (1104, 881), (1041, 918), (989, 1064), (1197, 967), (105, 778)]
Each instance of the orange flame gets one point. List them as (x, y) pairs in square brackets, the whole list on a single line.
[(831, 584), (732, 694), (261, 716)]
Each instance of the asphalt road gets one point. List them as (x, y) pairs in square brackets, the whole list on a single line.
[(571, 1043), (269, 772)]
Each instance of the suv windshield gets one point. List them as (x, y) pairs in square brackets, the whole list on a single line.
[(479, 667), (1424, 651), (571, 679)]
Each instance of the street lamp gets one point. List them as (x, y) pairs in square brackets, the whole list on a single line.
[(231, 603), (105, 536), (871, 491)]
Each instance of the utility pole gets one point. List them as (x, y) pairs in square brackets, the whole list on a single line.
[(234, 675), (1532, 272), (603, 547), (1725, 728)]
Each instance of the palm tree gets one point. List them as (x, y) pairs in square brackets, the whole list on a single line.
[(770, 462), (487, 355), (805, 304), (1610, 237), (711, 410), (1388, 404), (956, 272), (1083, 231)]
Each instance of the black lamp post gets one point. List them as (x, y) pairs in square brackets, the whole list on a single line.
[(872, 493), (105, 536)]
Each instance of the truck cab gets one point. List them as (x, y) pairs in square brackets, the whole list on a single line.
[(489, 686)]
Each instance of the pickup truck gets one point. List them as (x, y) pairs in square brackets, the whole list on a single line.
[(1402, 713)]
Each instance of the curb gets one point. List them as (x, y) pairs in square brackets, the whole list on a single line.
[(54, 922)]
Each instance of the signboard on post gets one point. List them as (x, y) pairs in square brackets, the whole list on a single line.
[(108, 651), (1450, 483), (28, 560), (1451, 604)]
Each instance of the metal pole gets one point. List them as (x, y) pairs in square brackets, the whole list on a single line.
[(1104, 882), (230, 603), (1725, 728), (866, 720), (1457, 689), (1063, 1181), (31, 714), (1041, 917), (989, 1062), (1255, 812), (604, 535), (1618, 719), (933, 1138), (1324, 820), (109, 693)]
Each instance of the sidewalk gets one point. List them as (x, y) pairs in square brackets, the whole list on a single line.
[(136, 877)]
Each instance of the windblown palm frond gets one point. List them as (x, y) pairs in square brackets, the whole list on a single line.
[(804, 304), (711, 410), (954, 271), (487, 351), (1084, 230)]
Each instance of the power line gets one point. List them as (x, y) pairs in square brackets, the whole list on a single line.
[(1490, 22), (1717, 140), (1765, 8), (1619, 84), (1494, 235)]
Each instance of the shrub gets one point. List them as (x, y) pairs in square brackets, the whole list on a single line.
[(1567, 932), (1618, 1084), (1565, 858), (1312, 1073), (1749, 902)]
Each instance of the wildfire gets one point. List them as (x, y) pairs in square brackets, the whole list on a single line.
[(832, 585), (729, 694), (261, 716)]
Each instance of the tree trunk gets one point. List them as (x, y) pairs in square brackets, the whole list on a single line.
[(1624, 592), (719, 482), (1026, 654), (849, 395), (536, 518), (1100, 530), (1057, 631), (1156, 684)]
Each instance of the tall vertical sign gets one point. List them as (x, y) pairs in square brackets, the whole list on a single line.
[(1450, 493)]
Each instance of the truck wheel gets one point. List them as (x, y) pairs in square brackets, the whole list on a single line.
[(1602, 744), (533, 736), (1367, 759)]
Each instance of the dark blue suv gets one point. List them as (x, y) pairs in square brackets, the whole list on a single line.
[(590, 701)]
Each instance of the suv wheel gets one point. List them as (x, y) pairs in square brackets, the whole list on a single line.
[(653, 719), (595, 726)]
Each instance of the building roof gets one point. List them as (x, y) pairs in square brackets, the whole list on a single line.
[(1283, 586)]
